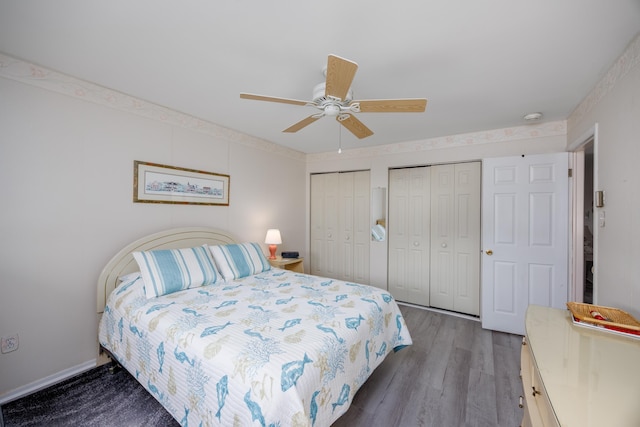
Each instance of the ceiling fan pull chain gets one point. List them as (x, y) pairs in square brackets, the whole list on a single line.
[(339, 138)]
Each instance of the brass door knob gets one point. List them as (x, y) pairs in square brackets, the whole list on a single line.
[(489, 252)]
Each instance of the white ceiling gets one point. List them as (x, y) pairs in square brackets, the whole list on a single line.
[(481, 64)]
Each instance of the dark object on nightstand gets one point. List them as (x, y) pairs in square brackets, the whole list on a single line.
[(290, 254)]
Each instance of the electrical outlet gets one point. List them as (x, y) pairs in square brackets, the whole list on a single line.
[(9, 343)]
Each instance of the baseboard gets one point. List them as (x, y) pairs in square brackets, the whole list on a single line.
[(47, 381), (439, 310)]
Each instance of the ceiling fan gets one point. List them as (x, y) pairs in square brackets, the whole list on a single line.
[(334, 98)]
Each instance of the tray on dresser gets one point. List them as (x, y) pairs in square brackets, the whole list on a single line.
[(614, 320)]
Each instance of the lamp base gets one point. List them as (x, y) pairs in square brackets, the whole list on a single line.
[(272, 251)]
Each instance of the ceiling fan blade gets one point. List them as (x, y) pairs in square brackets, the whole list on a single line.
[(340, 73), (354, 125), (272, 99), (301, 124), (392, 105)]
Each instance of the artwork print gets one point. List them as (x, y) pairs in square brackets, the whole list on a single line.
[(157, 183)]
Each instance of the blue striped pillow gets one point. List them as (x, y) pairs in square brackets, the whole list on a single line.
[(166, 271), (239, 260)]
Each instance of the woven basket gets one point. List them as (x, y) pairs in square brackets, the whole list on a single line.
[(617, 320)]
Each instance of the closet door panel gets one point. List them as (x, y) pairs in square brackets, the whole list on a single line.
[(455, 244), (317, 261), (361, 226), (467, 238), (340, 226), (345, 224), (443, 223), (397, 235), (331, 231), (408, 232), (324, 224)]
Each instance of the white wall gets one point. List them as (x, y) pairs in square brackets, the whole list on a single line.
[(66, 168), (614, 104), (531, 139)]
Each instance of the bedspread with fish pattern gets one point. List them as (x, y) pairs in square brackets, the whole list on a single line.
[(274, 349)]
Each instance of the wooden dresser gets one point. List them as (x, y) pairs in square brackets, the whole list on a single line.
[(574, 376)]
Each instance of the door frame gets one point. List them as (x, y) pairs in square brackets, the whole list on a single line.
[(576, 212)]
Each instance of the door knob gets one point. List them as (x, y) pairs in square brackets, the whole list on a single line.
[(489, 252)]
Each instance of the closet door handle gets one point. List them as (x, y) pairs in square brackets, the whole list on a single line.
[(416, 244), (489, 252)]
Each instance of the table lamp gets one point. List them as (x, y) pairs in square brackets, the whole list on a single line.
[(273, 238)]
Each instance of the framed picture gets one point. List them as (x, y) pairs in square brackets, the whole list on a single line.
[(156, 183)]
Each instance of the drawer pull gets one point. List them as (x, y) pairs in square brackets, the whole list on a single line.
[(520, 404), (535, 391)]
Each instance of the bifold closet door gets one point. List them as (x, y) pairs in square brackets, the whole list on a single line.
[(408, 234), (354, 226), (455, 237), (324, 225), (340, 225)]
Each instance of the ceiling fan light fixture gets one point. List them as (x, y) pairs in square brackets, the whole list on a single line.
[(331, 110)]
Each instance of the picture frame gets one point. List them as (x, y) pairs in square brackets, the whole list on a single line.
[(158, 183)]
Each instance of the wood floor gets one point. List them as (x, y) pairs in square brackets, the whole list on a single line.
[(455, 374)]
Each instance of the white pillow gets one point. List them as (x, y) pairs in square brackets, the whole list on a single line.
[(129, 277), (166, 271), (239, 260)]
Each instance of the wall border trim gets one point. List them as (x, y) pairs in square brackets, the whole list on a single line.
[(34, 75)]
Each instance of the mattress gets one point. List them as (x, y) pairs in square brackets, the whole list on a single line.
[(277, 348)]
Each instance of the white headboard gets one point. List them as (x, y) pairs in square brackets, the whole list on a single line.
[(123, 262)]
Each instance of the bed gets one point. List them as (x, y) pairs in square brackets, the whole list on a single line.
[(254, 345)]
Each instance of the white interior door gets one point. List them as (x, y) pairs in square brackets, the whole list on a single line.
[(525, 237)]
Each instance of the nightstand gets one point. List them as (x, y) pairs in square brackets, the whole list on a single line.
[(293, 264)]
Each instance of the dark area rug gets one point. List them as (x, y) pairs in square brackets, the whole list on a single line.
[(94, 398)]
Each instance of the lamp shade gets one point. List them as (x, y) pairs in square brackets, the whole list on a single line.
[(273, 237)]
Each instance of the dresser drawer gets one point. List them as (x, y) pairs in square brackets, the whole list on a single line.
[(538, 411)]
